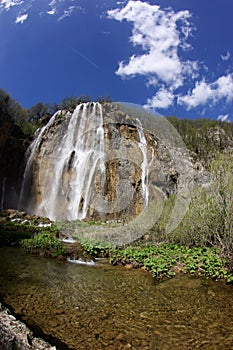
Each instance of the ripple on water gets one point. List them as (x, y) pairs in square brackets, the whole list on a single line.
[(104, 307)]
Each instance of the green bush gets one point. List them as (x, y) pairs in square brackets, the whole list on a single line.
[(43, 242)]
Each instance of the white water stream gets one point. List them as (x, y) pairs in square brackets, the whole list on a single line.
[(76, 161), (144, 166), (31, 154), (74, 172)]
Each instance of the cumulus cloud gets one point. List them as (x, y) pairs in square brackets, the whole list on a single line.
[(204, 92), (226, 57), (7, 4), (163, 99), (22, 18), (161, 34), (162, 37)]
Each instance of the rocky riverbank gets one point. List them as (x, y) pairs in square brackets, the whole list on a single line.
[(14, 334)]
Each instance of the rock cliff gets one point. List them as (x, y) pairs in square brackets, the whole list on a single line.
[(115, 182)]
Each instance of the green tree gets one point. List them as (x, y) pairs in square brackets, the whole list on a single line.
[(38, 110), (10, 110)]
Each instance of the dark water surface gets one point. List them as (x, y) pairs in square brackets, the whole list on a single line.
[(104, 307)]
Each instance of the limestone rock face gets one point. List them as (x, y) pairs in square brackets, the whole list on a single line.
[(100, 162), (114, 192)]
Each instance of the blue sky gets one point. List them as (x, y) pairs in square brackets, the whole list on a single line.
[(174, 56)]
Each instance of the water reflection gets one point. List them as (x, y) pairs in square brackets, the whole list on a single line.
[(104, 307)]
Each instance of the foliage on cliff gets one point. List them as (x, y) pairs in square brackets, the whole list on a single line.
[(204, 137)]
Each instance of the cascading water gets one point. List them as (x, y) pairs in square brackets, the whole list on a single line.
[(67, 182), (81, 154), (75, 168), (144, 164), (31, 154)]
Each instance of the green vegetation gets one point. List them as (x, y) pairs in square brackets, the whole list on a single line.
[(12, 231), (202, 244), (209, 220), (45, 243), (165, 260), (96, 248), (204, 137), (28, 120)]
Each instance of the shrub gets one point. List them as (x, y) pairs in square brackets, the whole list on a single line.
[(209, 220)]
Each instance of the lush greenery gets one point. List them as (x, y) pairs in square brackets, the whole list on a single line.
[(16, 229), (97, 248), (164, 260), (209, 220), (44, 242), (204, 137), (202, 244), (12, 233)]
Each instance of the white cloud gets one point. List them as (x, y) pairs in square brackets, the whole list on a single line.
[(204, 92), (67, 13), (163, 99), (53, 10), (7, 4), (224, 87), (22, 18), (223, 118), (161, 34), (226, 57)]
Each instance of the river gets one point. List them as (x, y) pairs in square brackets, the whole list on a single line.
[(104, 307)]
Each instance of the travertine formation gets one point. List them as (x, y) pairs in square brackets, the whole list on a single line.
[(98, 162)]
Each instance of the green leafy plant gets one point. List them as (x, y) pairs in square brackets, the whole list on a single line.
[(165, 259), (96, 248), (43, 242)]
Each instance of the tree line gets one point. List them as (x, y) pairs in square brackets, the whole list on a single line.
[(32, 118)]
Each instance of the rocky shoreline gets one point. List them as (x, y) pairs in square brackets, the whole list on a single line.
[(14, 334)]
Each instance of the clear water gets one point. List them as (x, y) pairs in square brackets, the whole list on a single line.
[(104, 307)]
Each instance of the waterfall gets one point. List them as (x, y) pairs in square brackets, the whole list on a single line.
[(68, 176), (68, 181), (144, 164), (31, 154)]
